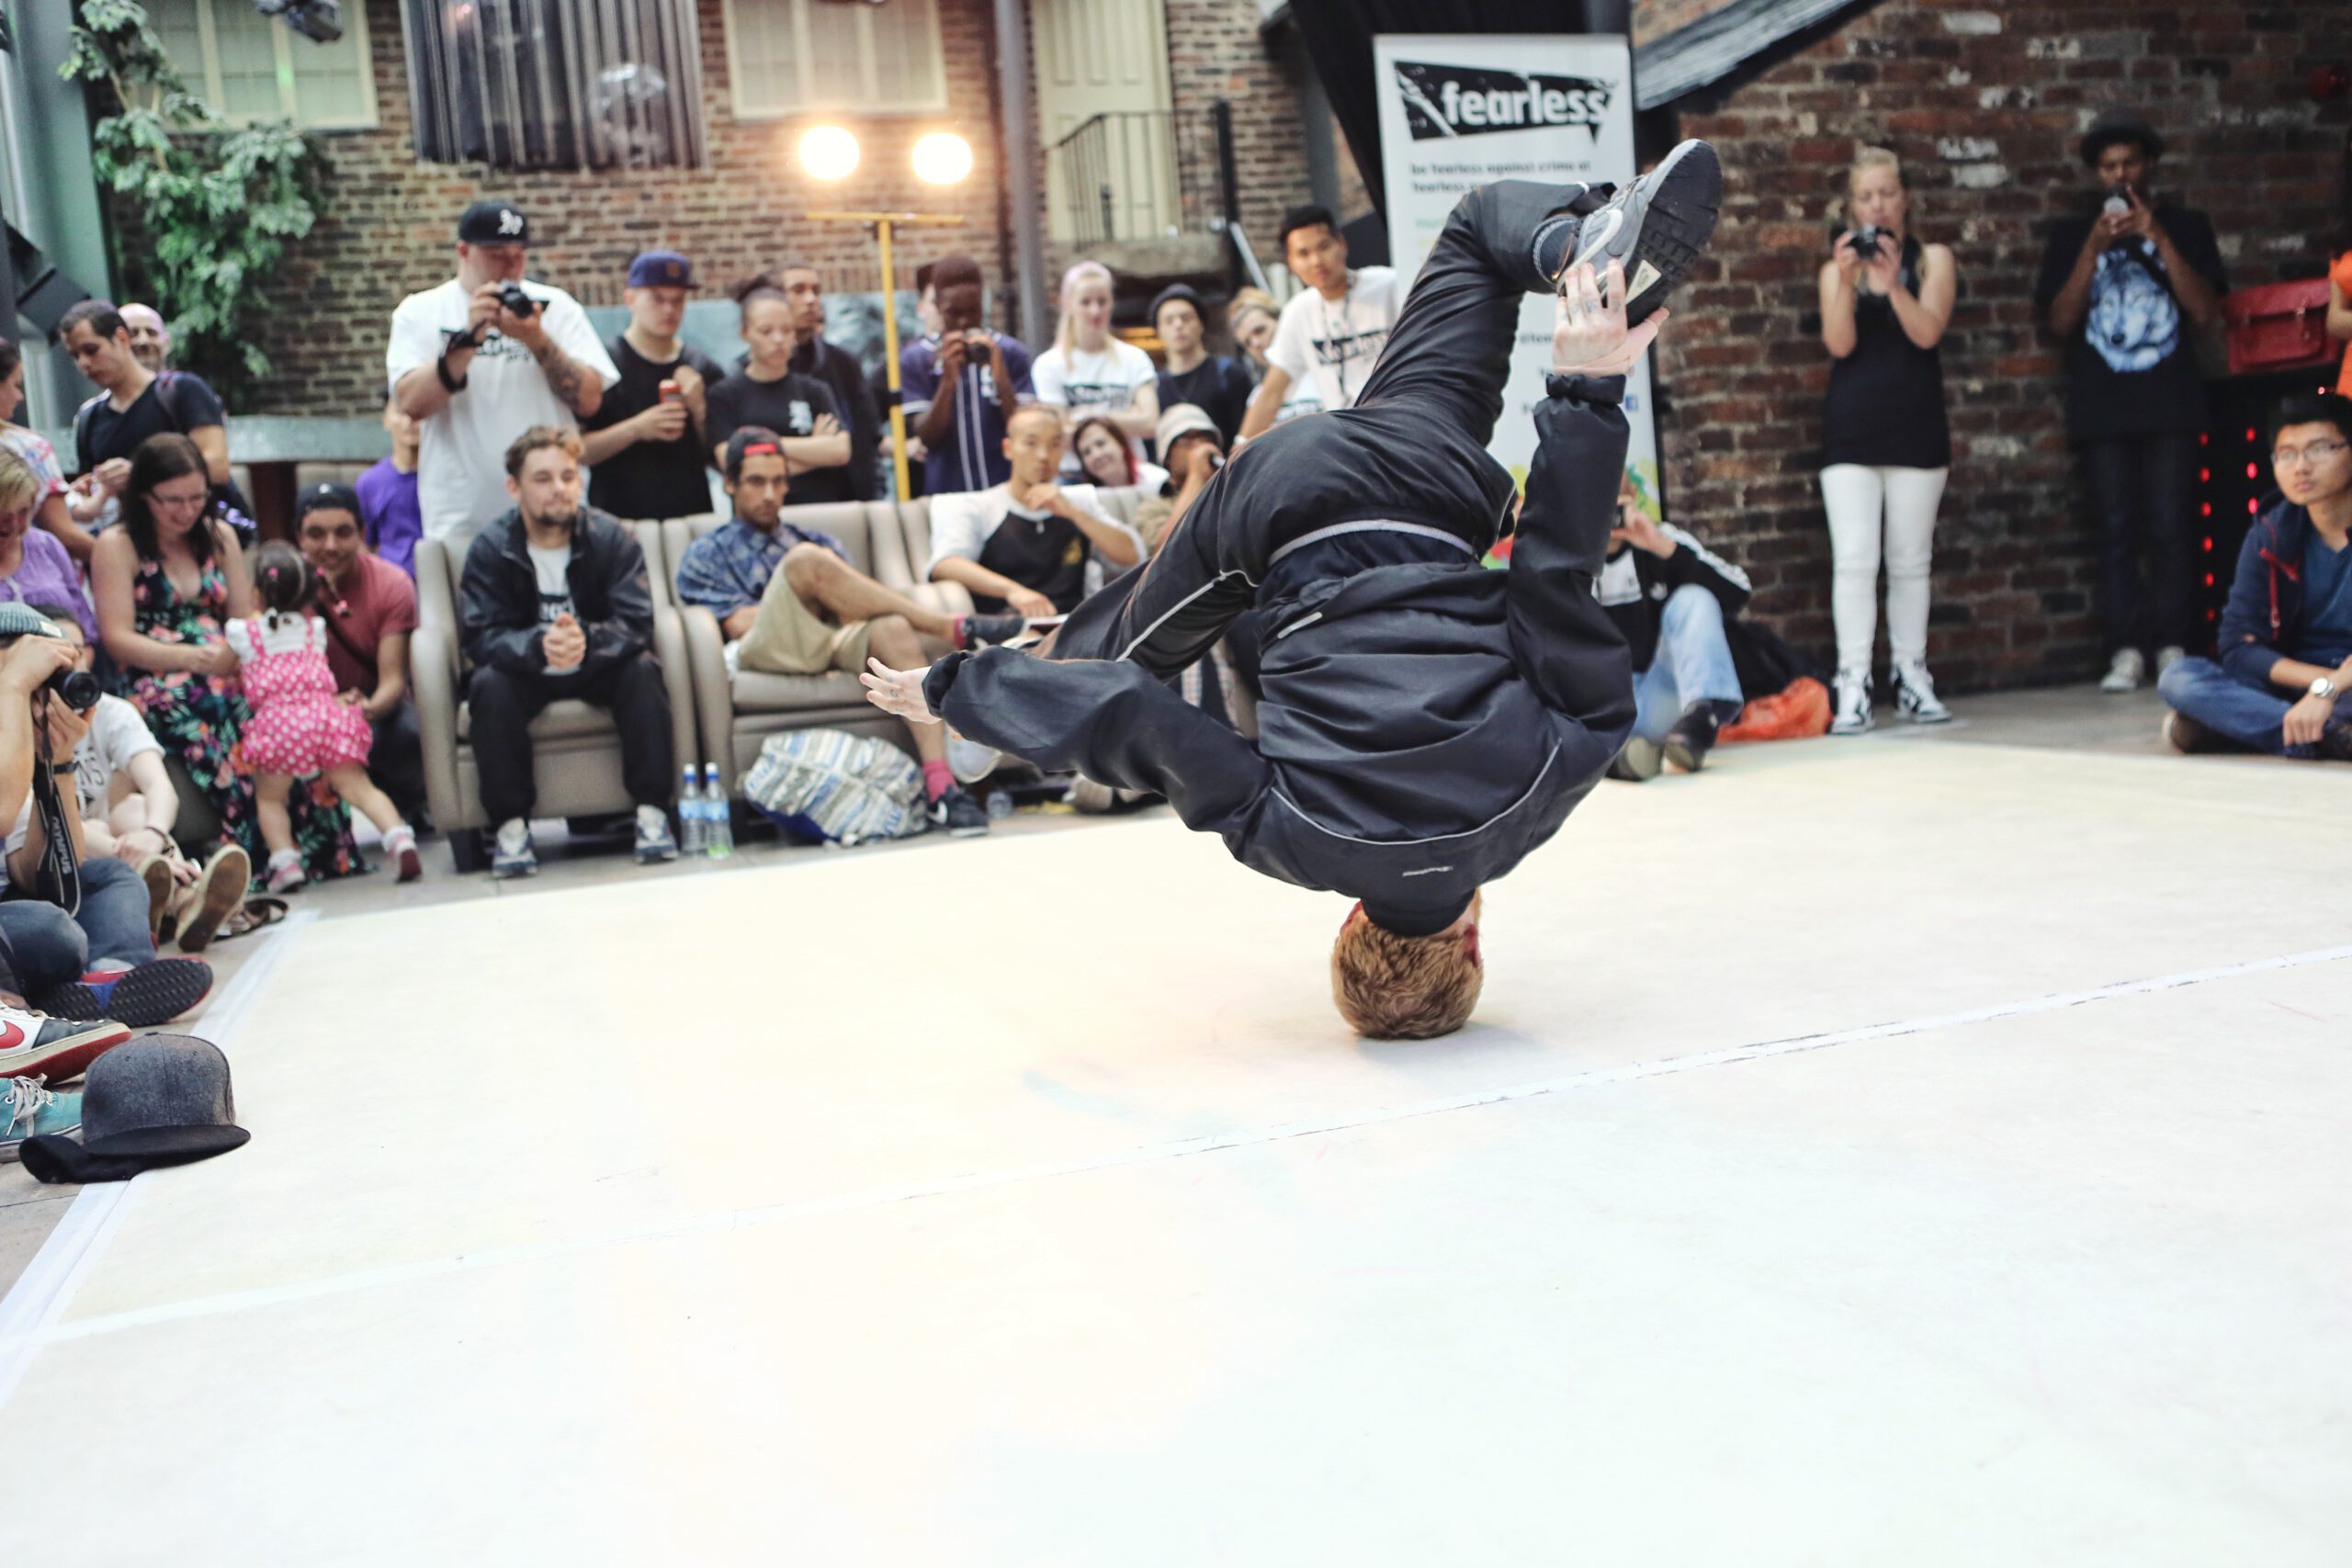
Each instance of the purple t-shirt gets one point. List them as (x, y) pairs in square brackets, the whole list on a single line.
[(390, 513), (49, 577)]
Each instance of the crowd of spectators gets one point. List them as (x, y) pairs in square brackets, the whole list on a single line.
[(247, 704)]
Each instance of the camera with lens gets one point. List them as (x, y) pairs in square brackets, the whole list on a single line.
[(77, 689), (514, 302), (1865, 242)]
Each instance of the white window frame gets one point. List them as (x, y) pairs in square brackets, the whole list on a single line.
[(355, 23), (864, 99)]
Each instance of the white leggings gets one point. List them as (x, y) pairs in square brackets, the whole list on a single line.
[(1856, 497)]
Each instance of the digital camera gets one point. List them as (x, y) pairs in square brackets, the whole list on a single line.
[(77, 689), (514, 302), (1866, 239)]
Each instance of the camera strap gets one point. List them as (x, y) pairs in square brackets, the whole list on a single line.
[(59, 879)]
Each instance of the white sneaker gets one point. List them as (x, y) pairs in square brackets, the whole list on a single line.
[(1853, 697), (2124, 671), (1914, 697), (969, 761), (2168, 657)]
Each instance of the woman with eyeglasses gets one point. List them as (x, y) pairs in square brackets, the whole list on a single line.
[(167, 584)]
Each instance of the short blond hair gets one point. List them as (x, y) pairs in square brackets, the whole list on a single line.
[(1405, 988), (19, 486), (1875, 158)]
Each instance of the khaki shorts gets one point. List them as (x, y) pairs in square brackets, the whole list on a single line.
[(790, 638)]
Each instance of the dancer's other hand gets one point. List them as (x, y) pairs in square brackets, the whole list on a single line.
[(896, 691), (1591, 337)]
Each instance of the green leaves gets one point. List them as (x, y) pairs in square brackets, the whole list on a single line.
[(210, 209)]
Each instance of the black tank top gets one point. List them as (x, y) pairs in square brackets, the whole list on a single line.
[(1886, 399)]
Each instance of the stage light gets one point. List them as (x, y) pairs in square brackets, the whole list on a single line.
[(943, 158), (828, 153)]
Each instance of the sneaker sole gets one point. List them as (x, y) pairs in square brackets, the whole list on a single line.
[(1639, 763), (1678, 199), (411, 863), (1680, 753), (156, 873), (142, 1000), (227, 876), (1944, 718), (62, 1059), (1862, 728)]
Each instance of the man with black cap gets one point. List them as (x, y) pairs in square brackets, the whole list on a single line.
[(2123, 286), (1424, 723), (644, 445), (480, 360), (1212, 383)]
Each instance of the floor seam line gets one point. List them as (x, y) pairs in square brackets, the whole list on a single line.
[(16, 1349)]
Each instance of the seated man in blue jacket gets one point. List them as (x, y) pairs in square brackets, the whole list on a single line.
[(1425, 723), (556, 603), (1670, 597), (2282, 682)]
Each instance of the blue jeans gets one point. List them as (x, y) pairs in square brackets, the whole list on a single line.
[(46, 947), (2254, 717), (1692, 663)]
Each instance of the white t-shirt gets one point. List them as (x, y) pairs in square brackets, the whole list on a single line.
[(461, 467), (962, 524), (116, 734), (1338, 342), (1088, 382), (290, 634)]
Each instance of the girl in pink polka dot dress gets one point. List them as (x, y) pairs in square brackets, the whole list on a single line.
[(298, 726)]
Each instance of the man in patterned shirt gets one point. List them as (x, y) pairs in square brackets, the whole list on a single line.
[(789, 601)]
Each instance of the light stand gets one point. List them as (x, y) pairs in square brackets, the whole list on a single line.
[(880, 225)]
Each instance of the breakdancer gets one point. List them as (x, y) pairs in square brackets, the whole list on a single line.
[(1424, 723)]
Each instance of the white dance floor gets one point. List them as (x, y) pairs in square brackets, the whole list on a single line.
[(1872, 1155)]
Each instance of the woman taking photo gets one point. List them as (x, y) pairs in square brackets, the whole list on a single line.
[(167, 583), (1885, 301)]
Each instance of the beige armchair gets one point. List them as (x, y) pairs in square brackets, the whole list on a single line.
[(576, 752), (738, 713), (913, 546)]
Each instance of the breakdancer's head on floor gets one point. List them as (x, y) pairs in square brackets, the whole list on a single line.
[(1390, 986)]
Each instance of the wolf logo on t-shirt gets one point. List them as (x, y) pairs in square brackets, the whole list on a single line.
[(2134, 321)]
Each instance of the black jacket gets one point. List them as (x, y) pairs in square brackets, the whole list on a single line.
[(498, 600), (2265, 620), (1423, 726), (1633, 586)]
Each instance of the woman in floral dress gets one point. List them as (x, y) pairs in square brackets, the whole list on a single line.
[(168, 583)]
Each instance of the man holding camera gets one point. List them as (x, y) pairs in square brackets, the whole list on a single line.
[(2121, 287), (483, 359), (961, 386)]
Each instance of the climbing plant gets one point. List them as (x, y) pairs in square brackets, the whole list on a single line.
[(208, 209)]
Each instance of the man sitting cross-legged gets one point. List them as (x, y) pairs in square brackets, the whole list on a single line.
[(789, 603)]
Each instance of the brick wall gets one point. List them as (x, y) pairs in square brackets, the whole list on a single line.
[(389, 220), (1985, 106), (386, 220)]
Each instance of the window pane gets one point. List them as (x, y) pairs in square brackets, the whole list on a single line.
[(764, 56), (175, 23), (836, 68), (906, 51), (330, 83), (246, 43)]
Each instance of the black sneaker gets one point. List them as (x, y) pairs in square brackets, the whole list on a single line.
[(1637, 763), (1693, 733), (959, 814), (1656, 226), (973, 631), (155, 992)]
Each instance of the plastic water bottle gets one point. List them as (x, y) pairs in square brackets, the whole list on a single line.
[(718, 829), (999, 806), (689, 812)]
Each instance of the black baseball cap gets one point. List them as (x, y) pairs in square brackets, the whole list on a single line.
[(753, 439), (1174, 291), (326, 498), (495, 223)]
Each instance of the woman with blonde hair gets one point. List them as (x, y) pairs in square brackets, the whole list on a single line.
[(1088, 371), (1885, 301)]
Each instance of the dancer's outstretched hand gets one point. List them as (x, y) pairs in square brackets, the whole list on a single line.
[(1591, 337), (897, 691)]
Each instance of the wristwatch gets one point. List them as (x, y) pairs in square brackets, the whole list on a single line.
[(2323, 687)]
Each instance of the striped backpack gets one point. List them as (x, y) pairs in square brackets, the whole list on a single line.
[(829, 786)]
